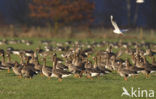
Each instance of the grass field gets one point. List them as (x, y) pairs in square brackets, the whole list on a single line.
[(107, 87)]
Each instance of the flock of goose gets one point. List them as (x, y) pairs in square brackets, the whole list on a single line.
[(90, 59)]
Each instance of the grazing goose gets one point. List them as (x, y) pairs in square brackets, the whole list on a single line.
[(27, 71)]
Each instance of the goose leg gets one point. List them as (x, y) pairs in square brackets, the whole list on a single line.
[(136, 76), (89, 77), (20, 76), (60, 80), (79, 76), (81, 73), (41, 75), (147, 76), (76, 75), (125, 78), (9, 70), (98, 77), (48, 78)]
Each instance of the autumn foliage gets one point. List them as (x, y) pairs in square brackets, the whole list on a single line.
[(63, 11)]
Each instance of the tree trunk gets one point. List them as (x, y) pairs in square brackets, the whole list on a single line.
[(56, 27), (128, 11)]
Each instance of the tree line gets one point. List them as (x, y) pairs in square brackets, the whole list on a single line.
[(82, 12)]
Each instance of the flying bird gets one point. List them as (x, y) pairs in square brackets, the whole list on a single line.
[(125, 92), (116, 28), (139, 1)]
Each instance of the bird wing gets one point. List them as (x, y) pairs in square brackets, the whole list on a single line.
[(114, 24), (124, 30)]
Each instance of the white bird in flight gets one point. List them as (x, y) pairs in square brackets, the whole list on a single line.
[(125, 92), (139, 1), (116, 28)]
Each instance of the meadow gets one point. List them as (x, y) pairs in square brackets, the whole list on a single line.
[(108, 86)]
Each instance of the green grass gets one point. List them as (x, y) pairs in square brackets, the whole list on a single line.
[(107, 87)]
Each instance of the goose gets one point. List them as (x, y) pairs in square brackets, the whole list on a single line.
[(17, 69), (132, 68), (116, 28), (123, 72), (37, 66), (77, 60), (58, 73), (8, 55), (97, 65), (48, 48), (3, 42), (153, 61), (76, 70), (16, 52), (148, 68), (149, 52), (29, 52), (27, 71), (45, 42), (59, 65), (28, 43), (12, 42), (5, 65), (91, 72), (46, 70)]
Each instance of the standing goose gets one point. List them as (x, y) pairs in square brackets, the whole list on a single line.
[(5, 65), (149, 52), (97, 65), (46, 70), (37, 66), (58, 73), (90, 71), (153, 61), (123, 72), (17, 69), (8, 55), (76, 70), (132, 68), (148, 68)]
